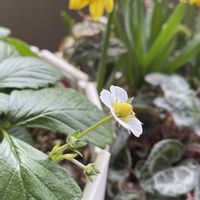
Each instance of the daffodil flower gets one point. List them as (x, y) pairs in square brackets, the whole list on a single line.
[(96, 7), (117, 101), (196, 2)]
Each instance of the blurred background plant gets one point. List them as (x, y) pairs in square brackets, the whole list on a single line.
[(157, 38), (163, 164), (83, 45), (146, 37), (158, 42)]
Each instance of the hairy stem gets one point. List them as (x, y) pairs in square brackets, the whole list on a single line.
[(91, 128)]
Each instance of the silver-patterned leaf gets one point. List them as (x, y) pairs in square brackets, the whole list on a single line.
[(179, 99), (162, 155), (174, 181)]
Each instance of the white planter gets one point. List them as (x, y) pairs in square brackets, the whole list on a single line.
[(79, 80)]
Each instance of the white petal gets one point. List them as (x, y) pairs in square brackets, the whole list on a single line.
[(135, 126), (119, 93), (107, 98), (121, 122)]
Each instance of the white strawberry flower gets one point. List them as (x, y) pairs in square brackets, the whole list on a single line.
[(117, 101)]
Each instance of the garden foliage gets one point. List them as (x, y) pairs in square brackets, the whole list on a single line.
[(30, 97)]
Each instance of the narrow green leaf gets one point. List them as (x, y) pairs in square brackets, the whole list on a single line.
[(137, 21), (21, 46), (58, 109), (191, 49), (127, 17), (156, 20), (118, 28), (27, 72), (167, 32), (67, 21), (159, 63), (27, 174)]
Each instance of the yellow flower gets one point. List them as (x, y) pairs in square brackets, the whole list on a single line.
[(196, 2), (96, 7)]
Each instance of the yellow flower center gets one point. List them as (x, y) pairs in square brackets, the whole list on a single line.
[(123, 110)]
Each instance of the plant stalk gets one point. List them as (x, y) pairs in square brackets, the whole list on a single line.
[(103, 58), (77, 163), (62, 148), (91, 128), (82, 134)]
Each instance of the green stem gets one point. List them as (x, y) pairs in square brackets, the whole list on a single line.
[(91, 128), (60, 149), (77, 163), (102, 63), (82, 134)]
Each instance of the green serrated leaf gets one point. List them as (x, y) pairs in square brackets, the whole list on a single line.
[(58, 109), (7, 51), (22, 134), (27, 72), (27, 174)]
